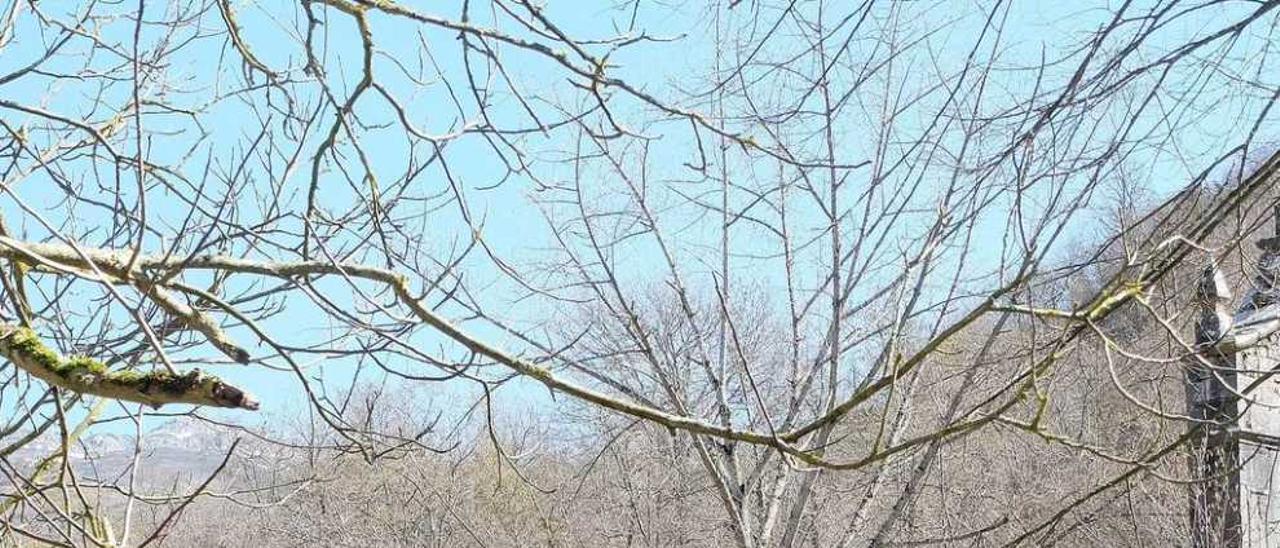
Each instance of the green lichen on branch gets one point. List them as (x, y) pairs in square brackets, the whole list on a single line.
[(23, 347)]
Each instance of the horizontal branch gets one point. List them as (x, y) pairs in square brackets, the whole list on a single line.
[(64, 259), (1249, 329), (23, 347)]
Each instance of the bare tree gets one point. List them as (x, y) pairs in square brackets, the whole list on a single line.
[(825, 273)]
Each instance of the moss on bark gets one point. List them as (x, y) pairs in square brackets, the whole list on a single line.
[(23, 347)]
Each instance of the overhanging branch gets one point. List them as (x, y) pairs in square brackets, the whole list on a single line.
[(23, 347)]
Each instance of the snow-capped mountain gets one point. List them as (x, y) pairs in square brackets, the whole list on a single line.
[(172, 450)]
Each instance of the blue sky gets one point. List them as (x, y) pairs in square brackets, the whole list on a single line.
[(513, 225)]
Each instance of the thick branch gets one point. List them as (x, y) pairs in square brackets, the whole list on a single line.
[(23, 347), (63, 259)]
